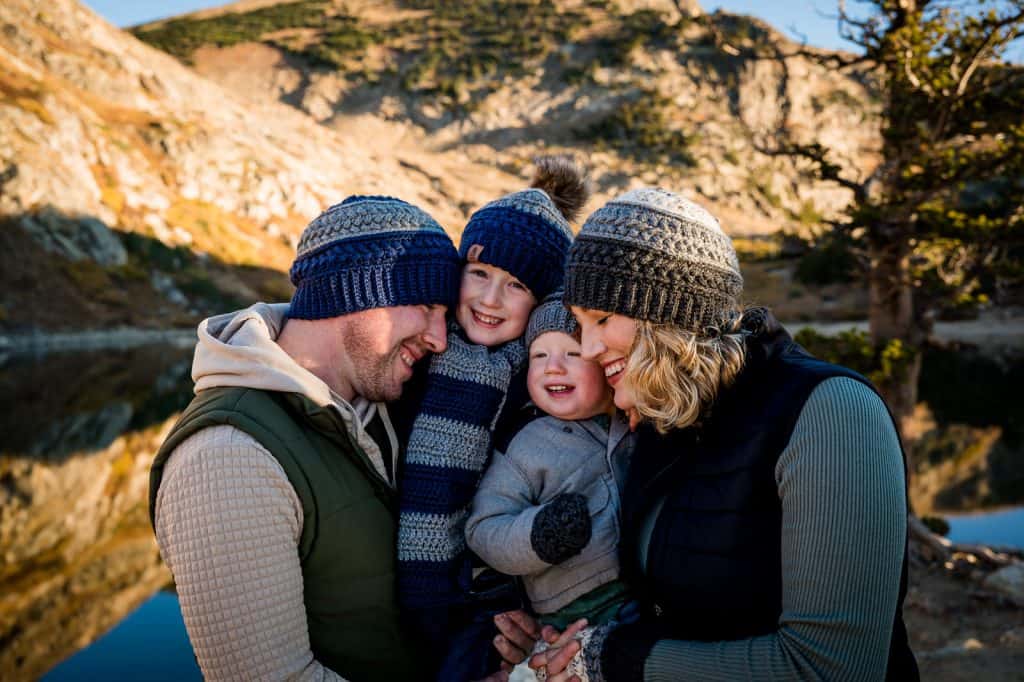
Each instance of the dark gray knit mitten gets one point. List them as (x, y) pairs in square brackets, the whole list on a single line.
[(561, 528)]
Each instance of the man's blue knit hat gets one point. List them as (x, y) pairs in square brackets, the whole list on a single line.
[(527, 233), (372, 252)]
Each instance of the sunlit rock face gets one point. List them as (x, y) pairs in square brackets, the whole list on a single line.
[(690, 8), (228, 153), (76, 549), (649, 92), (96, 124)]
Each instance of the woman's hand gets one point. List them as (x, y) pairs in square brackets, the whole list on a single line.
[(519, 632), (562, 648)]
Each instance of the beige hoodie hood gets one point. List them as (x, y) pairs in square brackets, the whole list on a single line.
[(239, 350)]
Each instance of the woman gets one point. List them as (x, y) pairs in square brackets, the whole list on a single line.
[(765, 510)]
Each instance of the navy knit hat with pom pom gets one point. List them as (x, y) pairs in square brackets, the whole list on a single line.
[(372, 252), (527, 233)]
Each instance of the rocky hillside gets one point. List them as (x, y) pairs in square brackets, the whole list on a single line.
[(134, 191), (647, 94), (141, 188)]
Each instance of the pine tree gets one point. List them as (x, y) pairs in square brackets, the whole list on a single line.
[(941, 219)]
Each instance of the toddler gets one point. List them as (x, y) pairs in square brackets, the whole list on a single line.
[(514, 252), (547, 509)]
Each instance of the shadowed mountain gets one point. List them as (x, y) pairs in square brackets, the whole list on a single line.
[(61, 271)]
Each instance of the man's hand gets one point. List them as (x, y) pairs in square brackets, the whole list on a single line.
[(519, 632), (562, 648)]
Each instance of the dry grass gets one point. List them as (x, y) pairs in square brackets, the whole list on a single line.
[(230, 238), (23, 93), (771, 283), (110, 195)]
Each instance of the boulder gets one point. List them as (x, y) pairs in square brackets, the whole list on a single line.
[(1008, 580), (75, 238)]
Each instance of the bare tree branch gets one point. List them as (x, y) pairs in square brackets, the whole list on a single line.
[(987, 44), (826, 169), (828, 59)]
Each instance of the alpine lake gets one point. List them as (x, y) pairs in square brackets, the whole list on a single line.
[(84, 594)]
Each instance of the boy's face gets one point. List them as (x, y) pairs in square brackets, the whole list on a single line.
[(562, 383), (494, 306)]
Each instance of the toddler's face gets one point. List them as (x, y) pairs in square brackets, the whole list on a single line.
[(562, 383), (494, 306)]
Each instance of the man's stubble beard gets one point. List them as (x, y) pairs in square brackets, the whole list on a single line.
[(373, 374)]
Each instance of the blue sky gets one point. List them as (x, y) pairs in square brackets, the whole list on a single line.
[(800, 19)]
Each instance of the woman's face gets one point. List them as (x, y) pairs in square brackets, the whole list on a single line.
[(607, 338)]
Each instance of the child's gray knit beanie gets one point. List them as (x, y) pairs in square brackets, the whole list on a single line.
[(550, 316)]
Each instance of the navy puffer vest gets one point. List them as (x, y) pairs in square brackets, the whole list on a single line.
[(713, 568)]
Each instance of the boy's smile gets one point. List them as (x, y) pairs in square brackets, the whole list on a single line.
[(494, 306)]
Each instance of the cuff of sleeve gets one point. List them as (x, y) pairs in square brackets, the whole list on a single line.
[(625, 652)]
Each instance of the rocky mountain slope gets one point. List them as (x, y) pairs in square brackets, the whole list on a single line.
[(138, 188), (134, 191), (648, 95)]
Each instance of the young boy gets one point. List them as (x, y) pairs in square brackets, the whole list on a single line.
[(514, 251), (547, 509)]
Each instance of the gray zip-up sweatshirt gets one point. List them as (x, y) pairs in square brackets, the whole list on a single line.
[(549, 458)]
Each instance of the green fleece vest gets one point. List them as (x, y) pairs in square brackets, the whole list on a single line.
[(347, 548)]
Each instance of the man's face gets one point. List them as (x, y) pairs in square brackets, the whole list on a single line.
[(379, 347)]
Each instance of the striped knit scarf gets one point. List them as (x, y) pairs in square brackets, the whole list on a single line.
[(449, 448)]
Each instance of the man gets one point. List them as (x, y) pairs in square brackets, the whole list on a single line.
[(273, 496)]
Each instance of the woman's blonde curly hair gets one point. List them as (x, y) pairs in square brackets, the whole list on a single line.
[(676, 374)]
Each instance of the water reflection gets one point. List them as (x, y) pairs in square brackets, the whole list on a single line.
[(77, 555), (999, 528), (972, 453), (79, 433), (149, 644)]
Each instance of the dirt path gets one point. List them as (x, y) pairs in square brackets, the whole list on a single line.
[(962, 634), (986, 331)]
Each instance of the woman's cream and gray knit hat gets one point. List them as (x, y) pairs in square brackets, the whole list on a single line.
[(653, 255)]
